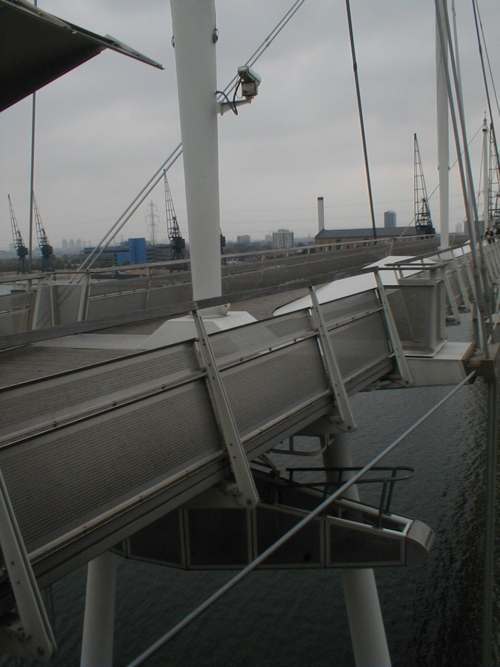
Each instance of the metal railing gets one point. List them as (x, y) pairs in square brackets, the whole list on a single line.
[(387, 483)]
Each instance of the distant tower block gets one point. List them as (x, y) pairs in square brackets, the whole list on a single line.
[(389, 219), (283, 238)]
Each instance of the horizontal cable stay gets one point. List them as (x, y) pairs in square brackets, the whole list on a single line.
[(154, 648)]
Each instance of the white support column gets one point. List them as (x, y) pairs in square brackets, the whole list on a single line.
[(443, 142), (99, 619), (195, 58), (366, 624)]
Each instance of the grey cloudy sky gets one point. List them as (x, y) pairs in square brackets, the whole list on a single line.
[(104, 128)]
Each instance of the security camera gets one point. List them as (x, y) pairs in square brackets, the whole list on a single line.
[(250, 81)]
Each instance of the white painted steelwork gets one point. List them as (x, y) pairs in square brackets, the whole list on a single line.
[(99, 620), (195, 58), (442, 139), (360, 589), (486, 176), (35, 637)]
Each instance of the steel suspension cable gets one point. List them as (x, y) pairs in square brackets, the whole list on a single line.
[(467, 193), (361, 119), (177, 152), (130, 210), (274, 547), (488, 58), (477, 19), (266, 43)]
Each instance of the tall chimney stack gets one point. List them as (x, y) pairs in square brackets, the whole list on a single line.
[(321, 214)]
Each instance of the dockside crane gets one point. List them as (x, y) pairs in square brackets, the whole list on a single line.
[(422, 213), (21, 249), (43, 241), (177, 242)]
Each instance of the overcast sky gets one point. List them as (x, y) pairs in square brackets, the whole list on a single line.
[(103, 129)]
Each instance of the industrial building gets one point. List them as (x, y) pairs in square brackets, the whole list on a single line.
[(134, 251)]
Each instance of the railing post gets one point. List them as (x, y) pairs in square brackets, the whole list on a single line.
[(463, 291), (451, 298), (245, 491), (343, 408), (392, 331)]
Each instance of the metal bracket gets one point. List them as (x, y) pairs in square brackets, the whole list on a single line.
[(488, 369), (343, 408), (402, 364), (34, 635), (247, 491)]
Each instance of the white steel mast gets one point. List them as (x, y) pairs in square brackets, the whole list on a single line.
[(195, 36), (443, 139)]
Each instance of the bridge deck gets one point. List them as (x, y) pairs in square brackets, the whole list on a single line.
[(90, 455)]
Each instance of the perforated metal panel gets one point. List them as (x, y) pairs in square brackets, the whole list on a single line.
[(401, 319), (163, 296), (14, 322), (85, 392), (60, 481), (14, 301), (360, 344), (341, 310), (349, 546), (268, 387), (118, 304), (243, 342), (417, 300), (15, 312), (58, 304), (303, 549)]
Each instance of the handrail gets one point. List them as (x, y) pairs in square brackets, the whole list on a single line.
[(387, 482)]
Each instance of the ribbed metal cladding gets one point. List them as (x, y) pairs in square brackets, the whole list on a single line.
[(58, 482), (359, 344), (40, 362), (417, 301), (44, 311), (60, 394), (269, 386), (58, 304), (68, 302), (231, 345)]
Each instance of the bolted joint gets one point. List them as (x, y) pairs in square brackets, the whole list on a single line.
[(486, 368)]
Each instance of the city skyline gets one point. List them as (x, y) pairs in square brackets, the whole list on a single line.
[(103, 129)]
